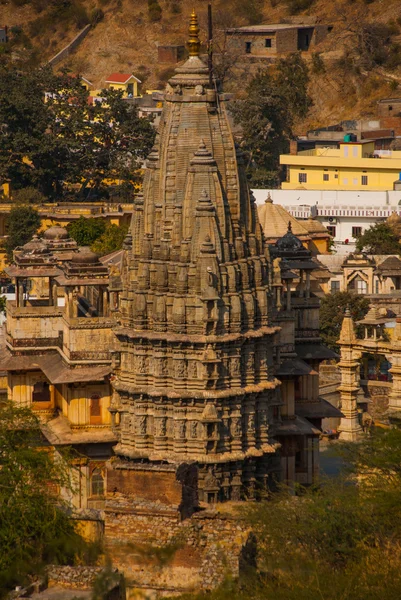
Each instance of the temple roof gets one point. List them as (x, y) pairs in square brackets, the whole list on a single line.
[(59, 432), (274, 219), (56, 233), (390, 267), (54, 368)]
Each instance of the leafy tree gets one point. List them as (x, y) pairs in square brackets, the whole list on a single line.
[(56, 141), (35, 528), (86, 231), (379, 239), (111, 240), (28, 195), (333, 541), (332, 309), (273, 102), (22, 223)]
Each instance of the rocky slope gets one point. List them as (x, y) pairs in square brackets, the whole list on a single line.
[(359, 61)]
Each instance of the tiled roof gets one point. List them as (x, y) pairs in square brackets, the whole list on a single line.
[(121, 78)]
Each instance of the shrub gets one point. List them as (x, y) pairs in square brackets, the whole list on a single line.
[(154, 11), (96, 16), (318, 65), (296, 6)]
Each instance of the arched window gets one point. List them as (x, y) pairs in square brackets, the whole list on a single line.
[(41, 392), (95, 410), (97, 483)]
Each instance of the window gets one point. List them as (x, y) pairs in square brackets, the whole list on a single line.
[(361, 286), (346, 151), (248, 47), (355, 151), (41, 392), (325, 176), (345, 181), (268, 43), (376, 286), (334, 286), (97, 483), (356, 232), (95, 413), (364, 180), (355, 181), (335, 175), (302, 177), (332, 230)]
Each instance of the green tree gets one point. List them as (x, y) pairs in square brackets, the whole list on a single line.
[(55, 140), (86, 231), (35, 528), (379, 239), (273, 103), (28, 195), (332, 309), (337, 540), (22, 223), (111, 240)]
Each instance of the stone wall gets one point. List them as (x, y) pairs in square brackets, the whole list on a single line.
[(81, 578), (170, 54), (66, 51), (165, 554)]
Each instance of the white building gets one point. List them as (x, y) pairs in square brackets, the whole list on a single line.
[(346, 214)]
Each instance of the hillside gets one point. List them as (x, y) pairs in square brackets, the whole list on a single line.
[(358, 63)]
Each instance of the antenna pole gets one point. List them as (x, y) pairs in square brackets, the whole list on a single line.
[(210, 43)]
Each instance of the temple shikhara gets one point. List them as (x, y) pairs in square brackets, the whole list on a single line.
[(184, 370)]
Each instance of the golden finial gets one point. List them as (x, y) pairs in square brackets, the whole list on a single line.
[(193, 43)]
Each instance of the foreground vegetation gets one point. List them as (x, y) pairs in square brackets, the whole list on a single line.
[(35, 526), (340, 540)]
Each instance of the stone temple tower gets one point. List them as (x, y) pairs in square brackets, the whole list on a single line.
[(194, 381)]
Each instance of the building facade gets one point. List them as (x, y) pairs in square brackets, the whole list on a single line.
[(267, 41), (352, 166), (345, 214)]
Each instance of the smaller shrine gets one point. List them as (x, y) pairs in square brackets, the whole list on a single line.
[(371, 344)]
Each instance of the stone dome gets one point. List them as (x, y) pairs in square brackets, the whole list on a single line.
[(289, 242), (35, 246), (56, 233), (85, 256)]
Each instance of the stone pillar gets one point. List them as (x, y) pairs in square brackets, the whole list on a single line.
[(20, 293), (289, 294), (105, 303), (54, 294), (350, 428), (394, 398), (307, 291)]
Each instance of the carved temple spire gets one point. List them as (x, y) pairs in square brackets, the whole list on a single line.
[(347, 335), (198, 274)]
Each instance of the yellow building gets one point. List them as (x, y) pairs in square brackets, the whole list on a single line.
[(352, 166), (126, 82)]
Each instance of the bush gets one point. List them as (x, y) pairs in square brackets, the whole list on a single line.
[(28, 195), (296, 6), (251, 10), (96, 16), (318, 66), (154, 11)]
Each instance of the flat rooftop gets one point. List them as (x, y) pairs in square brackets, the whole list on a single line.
[(268, 28)]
